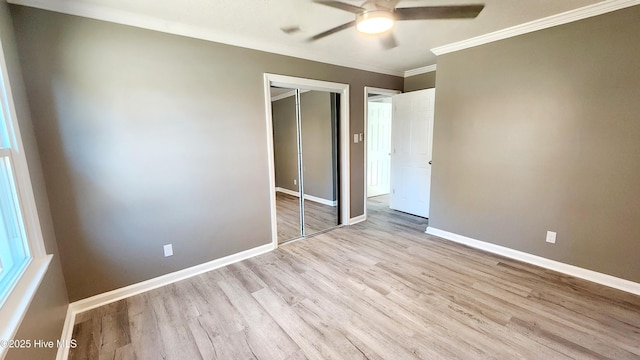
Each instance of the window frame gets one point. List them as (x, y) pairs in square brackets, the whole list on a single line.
[(16, 269), (22, 291)]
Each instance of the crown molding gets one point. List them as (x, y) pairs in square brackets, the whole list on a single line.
[(540, 24), (420, 70), (102, 13)]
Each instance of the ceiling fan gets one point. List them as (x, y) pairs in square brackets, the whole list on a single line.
[(379, 16)]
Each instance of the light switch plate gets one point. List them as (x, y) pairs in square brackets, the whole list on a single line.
[(355, 138), (168, 250)]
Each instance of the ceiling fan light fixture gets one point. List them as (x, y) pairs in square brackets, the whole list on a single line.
[(374, 21)]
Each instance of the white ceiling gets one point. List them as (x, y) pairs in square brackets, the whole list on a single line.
[(256, 24)]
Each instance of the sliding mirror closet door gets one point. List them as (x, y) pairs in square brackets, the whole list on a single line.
[(286, 161), (319, 160), (305, 146)]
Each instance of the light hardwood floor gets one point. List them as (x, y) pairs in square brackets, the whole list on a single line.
[(381, 289), (318, 217)]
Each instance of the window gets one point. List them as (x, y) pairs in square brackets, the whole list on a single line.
[(23, 261), (14, 253)]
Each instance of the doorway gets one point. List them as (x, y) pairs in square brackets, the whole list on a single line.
[(378, 120), (411, 142), (308, 124)]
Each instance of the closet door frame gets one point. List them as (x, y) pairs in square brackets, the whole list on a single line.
[(303, 232), (344, 144), (369, 90)]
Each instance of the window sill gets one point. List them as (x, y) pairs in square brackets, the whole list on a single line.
[(17, 304)]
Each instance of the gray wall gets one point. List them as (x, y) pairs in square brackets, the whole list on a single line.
[(317, 145), (149, 138), (420, 82), (541, 132), (45, 316)]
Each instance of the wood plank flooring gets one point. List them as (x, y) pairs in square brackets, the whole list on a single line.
[(288, 215), (318, 217), (381, 289)]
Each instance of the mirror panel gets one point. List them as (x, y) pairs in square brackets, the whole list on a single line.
[(305, 138), (286, 161), (318, 123)]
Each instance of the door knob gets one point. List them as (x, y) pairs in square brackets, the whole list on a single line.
[(429, 162)]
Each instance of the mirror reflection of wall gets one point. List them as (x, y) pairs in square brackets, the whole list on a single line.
[(305, 157), (285, 150), (319, 155)]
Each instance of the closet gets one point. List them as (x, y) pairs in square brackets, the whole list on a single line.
[(306, 161)]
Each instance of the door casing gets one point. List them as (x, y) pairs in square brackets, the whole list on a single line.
[(375, 91)]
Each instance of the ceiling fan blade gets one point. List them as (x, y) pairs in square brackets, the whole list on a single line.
[(341, 6), (332, 31), (388, 41), (439, 12)]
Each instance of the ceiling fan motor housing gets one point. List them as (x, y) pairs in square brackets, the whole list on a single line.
[(375, 21)]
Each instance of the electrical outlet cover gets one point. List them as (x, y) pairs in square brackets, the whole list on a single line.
[(551, 237), (168, 250)]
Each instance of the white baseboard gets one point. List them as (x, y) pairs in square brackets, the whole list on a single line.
[(321, 200), (144, 286), (357, 219), (67, 333), (308, 197), (287, 191), (593, 276)]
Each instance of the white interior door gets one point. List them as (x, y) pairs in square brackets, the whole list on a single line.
[(411, 143), (378, 148)]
